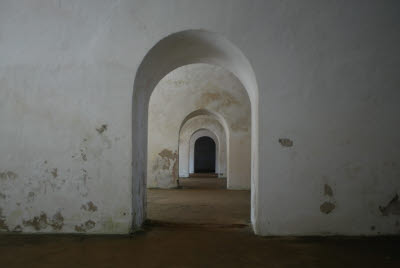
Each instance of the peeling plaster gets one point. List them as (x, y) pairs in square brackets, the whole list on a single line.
[(84, 227), (101, 129), (327, 207), (286, 142), (42, 222), (89, 206)]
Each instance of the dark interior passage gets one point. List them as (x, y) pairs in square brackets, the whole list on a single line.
[(204, 155)]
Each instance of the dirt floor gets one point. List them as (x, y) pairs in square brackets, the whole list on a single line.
[(200, 201), (195, 247), (187, 230)]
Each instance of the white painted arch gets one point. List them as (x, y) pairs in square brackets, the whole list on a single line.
[(176, 50), (197, 135), (219, 160), (195, 128)]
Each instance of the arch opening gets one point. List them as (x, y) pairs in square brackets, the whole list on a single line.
[(197, 124), (179, 49), (220, 150), (204, 155)]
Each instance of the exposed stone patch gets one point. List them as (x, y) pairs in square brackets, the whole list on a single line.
[(41, 222), (286, 142), (57, 221), (54, 172), (3, 224), (89, 206), (38, 222), (8, 175), (328, 190), (102, 128), (327, 207), (85, 226), (393, 207)]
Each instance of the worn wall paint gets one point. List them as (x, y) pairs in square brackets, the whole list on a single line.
[(327, 78), (187, 89)]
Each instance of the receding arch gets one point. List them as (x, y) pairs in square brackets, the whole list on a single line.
[(205, 155), (203, 120), (199, 134), (175, 50)]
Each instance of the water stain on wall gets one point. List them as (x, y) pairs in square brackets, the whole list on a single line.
[(85, 226), (393, 207), (165, 167), (222, 98), (171, 157)]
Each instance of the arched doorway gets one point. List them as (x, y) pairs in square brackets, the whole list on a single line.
[(176, 50), (204, 155)]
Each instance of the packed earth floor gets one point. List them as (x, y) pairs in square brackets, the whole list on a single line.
[(199, 225)]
